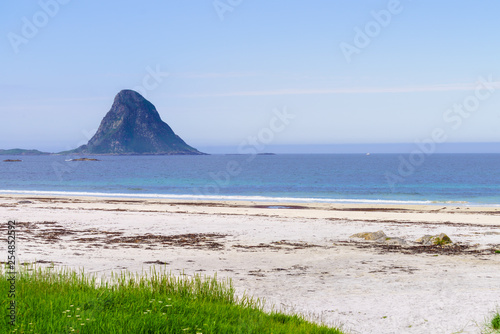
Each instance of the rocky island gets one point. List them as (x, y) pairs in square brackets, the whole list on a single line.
[(18, 151), (133, 126)]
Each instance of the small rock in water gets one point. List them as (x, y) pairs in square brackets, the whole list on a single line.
[(85, 159)]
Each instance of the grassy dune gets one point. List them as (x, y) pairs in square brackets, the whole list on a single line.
[(64, 301)]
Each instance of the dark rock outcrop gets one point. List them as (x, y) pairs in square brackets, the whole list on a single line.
[(133, 126), (85, 159)]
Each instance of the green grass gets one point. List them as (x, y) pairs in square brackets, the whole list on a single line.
[(495, 322), (66, 301), (492, 324)]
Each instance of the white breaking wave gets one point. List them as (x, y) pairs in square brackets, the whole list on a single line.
[(217, 197)]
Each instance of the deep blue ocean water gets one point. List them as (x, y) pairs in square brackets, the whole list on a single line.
[(376, 178)]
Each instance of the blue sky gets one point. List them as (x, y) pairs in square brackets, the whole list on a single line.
[(350, 72)]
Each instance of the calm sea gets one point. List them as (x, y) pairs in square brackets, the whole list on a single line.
[(351, 178)]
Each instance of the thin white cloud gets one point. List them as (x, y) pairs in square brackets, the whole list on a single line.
[(80, 99), (214, 75), (356, 90)]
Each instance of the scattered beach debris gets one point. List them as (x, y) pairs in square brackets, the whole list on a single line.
[(279, 245), (194, 240), (157, 262), (412, 248), (255, 247), (439, 240), (52, 232)]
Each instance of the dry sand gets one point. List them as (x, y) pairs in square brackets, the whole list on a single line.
[(298, 257)]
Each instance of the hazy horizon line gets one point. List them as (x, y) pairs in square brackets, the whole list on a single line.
[(347, 148)]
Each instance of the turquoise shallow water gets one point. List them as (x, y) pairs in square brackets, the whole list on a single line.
[(377, 178)]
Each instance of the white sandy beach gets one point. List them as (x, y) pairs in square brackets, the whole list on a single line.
[(298, 257)]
